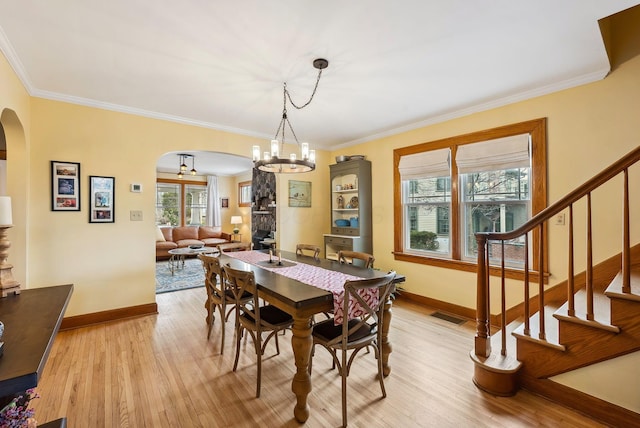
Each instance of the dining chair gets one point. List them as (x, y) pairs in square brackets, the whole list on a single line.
[(253, 318), (357, 333), (234, 246), (349, 257), (301, 248), (218, 295)]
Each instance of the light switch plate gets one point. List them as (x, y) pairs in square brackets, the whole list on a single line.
[(135, 215)]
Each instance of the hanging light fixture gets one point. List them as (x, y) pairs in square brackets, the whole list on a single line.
[(193, 165), (183, 165), (275, 160)]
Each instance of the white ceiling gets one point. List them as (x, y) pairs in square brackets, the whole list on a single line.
[(393, 65)]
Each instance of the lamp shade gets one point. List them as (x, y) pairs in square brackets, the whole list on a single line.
[(236, 219), (5, 210)]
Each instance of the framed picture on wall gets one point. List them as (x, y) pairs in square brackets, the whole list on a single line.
[(224, 202), (299, 193), (65, 186), (101, 199)]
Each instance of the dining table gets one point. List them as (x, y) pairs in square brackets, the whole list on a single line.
[(304, 286)]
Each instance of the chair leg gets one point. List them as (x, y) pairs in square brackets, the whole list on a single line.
[(222, 326), (238, 337), (258, 347), (380, 373), (211, 309), (344, 388)]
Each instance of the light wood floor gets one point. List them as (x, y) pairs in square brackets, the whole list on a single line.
[(160, 371)]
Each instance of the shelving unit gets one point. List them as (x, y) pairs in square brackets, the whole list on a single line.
[(351, 205)]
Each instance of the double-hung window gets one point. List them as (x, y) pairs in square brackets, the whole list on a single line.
[(181, 203), (447, 190)]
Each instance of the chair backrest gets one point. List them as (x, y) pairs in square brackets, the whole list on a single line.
[(300, 249), (372, 309), (212, 270), (234, 246), (350, 257), (240, 282)]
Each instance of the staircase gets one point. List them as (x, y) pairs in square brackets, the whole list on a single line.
[(592, 317)]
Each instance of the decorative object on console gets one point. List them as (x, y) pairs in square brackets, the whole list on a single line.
[(274, 161), (65, 186), (7, 283), (235, 221)]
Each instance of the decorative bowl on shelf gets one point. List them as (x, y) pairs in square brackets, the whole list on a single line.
[(342, 222)]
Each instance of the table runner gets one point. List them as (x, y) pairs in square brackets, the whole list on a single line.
[(316, 276)]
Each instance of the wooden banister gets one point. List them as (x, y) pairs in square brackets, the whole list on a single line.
[(538, 224)]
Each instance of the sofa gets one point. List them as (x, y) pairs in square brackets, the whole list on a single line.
[(168, 238)]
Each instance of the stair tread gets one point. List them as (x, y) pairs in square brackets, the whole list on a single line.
[(551, 329), (601, 308), (615, 288)]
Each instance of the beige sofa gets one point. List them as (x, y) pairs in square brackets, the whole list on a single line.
[(169, 238)]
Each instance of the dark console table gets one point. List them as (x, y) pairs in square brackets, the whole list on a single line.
[(31, 320)]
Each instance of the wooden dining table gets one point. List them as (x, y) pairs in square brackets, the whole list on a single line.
[(303, 301)]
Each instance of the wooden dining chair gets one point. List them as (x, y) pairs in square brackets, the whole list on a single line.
[(253, 318), (357, 333), (218, 295), (301, 248), (234, 246), (350, 257)]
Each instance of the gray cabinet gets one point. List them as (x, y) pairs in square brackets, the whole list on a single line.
[(350, 208)]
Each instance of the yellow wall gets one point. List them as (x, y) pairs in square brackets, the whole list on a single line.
[(589, 127), (112, 265), (15, 116)]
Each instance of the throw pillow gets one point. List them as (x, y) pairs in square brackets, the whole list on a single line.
[(159, 235)]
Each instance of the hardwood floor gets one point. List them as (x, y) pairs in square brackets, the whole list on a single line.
[(160, 371)]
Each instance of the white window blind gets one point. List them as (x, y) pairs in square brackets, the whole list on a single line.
[(434, 163), (492, 155)]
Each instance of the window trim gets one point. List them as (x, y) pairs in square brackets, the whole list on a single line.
[(183, 184), (537, 129)]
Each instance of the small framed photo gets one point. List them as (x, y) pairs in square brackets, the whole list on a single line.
[(65, 186), (101, 199), (224, 202)]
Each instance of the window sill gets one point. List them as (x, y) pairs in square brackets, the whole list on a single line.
[(511, 273)]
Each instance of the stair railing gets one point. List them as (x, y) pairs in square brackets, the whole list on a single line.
[(537, 224)]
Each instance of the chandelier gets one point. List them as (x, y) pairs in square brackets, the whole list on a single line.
[(275, 160), (183, 166)]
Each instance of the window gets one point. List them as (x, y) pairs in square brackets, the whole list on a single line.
[(244, 194), (181, 203), (447, 190)]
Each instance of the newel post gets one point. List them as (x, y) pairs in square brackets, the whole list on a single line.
[(482, 339)]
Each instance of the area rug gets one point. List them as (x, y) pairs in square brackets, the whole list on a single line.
[(191, 276)]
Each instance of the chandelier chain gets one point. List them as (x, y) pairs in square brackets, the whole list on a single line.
[(315, 88)]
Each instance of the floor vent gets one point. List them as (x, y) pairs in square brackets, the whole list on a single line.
[(449, 318)]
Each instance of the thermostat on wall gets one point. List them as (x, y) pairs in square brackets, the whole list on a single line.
[(136, 188)]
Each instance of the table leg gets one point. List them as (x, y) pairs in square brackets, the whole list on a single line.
[(301, 385), (172, 260), (386, 345)]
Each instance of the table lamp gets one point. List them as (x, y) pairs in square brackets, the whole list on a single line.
[(235, 221), (7, 283)]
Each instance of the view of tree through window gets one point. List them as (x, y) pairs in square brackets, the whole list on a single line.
[(496, 201), (448, 190), (181, 204), (168, 204)]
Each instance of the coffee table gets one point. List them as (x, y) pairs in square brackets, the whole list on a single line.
[(176, 261)]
